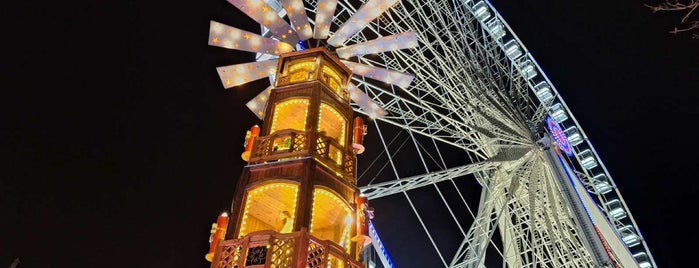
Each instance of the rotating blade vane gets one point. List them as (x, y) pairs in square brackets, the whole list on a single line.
[(221, 35), (324, 14), (392, 77), (387, 43), (258, 104), (359, 20), (298, 18), (265, 15), (238, 74), (365, 102)]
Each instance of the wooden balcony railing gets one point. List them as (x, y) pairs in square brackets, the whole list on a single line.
[(269, 249), (290, 144)]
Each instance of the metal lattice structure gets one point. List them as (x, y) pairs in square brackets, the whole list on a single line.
[(477, 110)]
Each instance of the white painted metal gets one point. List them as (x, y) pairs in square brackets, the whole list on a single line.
[(478, 91)]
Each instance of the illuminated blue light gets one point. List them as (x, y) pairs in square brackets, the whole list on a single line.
[(559, 136), (301, 46), (375, 238)]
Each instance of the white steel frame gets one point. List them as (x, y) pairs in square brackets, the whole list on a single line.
[(472, 92)]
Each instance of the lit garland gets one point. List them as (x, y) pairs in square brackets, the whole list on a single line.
[(283, 104), (333, 74), (261, 189), (345, 237), (308, 65), (338, 116)]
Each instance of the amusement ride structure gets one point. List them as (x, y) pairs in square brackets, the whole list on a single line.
[(464, 130)]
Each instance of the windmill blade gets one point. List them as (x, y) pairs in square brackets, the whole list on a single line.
[(238, 74), (365, 102), (258, 104), (359, 20), (265, 15), (387, 43), (221, 35), (385, 75), (324, 14), (298, 18)]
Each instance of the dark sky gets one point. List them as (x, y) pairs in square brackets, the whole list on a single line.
[(120, 146)]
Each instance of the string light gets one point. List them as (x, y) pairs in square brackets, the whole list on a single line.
[(281, 106), (336, 87), (343, 122), (345, 236), (261, 189)]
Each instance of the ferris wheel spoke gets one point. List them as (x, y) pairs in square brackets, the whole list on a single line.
[(441, 73), (459, 62), (405, 184), (447, 102), (426, 121), (494, 200)]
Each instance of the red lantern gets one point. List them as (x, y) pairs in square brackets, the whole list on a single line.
[(359, 132), (249, 140), (218, 232), (364, 214)]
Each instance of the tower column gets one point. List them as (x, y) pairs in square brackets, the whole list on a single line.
[(295, 204)]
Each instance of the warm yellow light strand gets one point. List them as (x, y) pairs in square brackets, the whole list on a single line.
[(261, 189)]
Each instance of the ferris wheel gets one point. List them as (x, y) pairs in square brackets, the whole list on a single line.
[(468, 138)]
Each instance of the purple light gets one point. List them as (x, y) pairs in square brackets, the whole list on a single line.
[(559, 136)]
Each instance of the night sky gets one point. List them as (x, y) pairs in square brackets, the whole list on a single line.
[(120, 146)]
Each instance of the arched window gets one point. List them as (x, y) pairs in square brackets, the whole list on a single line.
[(332, 123), (290, 114), (332, 79), (270, 206), (301, 71), (331, 218)]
